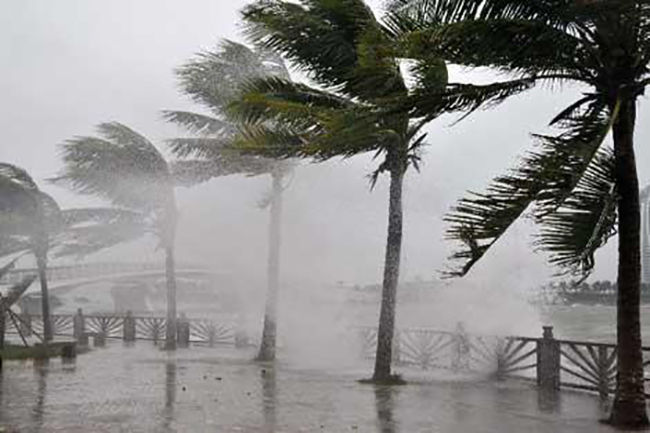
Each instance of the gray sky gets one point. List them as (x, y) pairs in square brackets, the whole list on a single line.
[(71, 64)]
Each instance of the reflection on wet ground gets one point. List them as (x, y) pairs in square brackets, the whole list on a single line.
[(142, 389)]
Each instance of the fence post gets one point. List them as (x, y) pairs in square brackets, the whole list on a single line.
[(183, 331), (548, 360), (129, 327), (79, 326)]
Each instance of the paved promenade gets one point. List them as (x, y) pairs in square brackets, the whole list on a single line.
[(142, 389)]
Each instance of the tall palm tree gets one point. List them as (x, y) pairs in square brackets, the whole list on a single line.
[(351, 57), (580, 191), (213, 80), (126, 169)]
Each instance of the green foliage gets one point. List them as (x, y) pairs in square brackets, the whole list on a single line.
[(120, 166), (568, 183), (214, 79), (41, 226), (124, 168), (362, 102)]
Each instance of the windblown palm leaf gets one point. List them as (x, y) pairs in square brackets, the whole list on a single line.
[(214, 80), (340, 43), (545, 179), (556, 41), (121, 166), (586, 220)]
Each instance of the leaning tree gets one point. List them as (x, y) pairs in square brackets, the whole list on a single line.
[(580, 191), (213, 80), (126, 169), (31, 222), (356, 108)]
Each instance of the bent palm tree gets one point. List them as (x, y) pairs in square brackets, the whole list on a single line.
[(350, 54), (27, 218), (214, 80), (126, 169), (580, 191), (32, 222)]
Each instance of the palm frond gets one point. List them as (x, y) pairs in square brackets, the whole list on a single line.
[(558, 14), (195, 171), (586, 220), (199, 124), (340, 43), (214, 78), (17, 175), (465, 98), (122, 167), (16, 200), (202, 147), (91, 230), (520, 47), (546, 177)]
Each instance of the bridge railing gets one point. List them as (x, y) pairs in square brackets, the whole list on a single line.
[(87, 270), (551, 363)]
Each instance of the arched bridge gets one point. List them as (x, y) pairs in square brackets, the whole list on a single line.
[(118, 287)]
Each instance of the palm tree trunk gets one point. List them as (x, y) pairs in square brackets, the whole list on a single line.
[(170, 274), (41, 263), (269, 333), (2, 328), (386, 327), (2, 324), (629, 402)]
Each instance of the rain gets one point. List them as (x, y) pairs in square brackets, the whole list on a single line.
[(305, 216)]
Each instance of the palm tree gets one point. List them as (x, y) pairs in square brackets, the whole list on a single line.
[(580, 191), (125, 168), (351, 57), (213, 79), (31, 221), (27, 218)]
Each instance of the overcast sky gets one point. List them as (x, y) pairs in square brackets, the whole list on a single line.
[(68, 65)]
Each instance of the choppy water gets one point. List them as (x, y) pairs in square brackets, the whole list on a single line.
[(590, 322)]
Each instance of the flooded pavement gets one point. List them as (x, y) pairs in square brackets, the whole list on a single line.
[(142, 389)]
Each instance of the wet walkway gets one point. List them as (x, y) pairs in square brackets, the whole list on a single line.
[(141, 389)]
